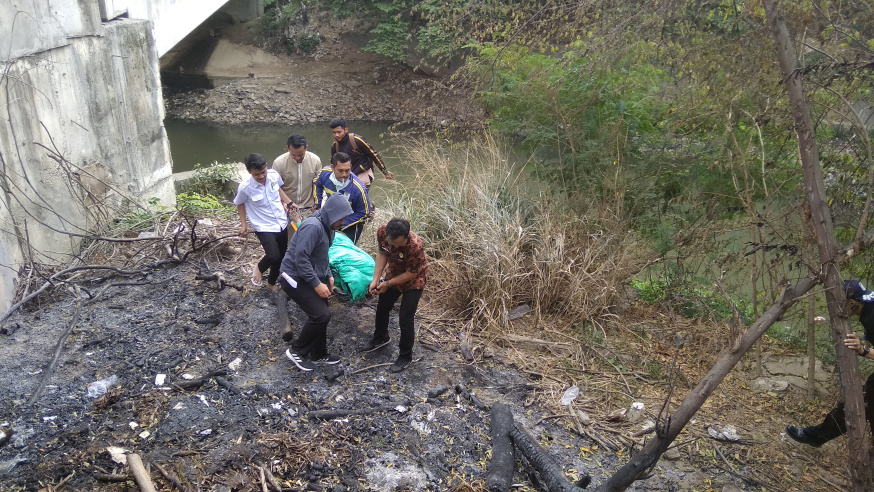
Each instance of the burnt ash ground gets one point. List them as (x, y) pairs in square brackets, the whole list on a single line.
[(211, 438)]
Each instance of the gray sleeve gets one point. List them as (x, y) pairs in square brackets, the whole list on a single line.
[(309, 238)]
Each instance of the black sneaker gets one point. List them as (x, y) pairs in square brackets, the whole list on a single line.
[(375, 345), (798, 434), (400, 364), (302, 363), (328, 359)]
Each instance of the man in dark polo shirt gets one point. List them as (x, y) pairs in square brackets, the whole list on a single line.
[(401, 255)]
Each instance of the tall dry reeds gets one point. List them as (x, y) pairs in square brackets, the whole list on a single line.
[(498, 239)]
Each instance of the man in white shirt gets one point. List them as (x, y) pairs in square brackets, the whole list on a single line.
[(260, 197), (298, 168)]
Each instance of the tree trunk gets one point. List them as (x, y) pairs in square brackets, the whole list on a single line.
[(828, 251), (665, 435), (811, 346)]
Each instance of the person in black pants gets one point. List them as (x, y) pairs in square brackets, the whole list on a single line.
[(260, 197), (859, 302), (401, 254), (306, 279)]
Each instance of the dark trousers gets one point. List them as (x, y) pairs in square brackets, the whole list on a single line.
[(835, 423), (354, 232), (274, 244), (409, 304), (312, 341)]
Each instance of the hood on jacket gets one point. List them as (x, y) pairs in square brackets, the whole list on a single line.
[(336, 208)]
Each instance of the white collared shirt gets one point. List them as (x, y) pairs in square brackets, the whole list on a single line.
[(263, 205)]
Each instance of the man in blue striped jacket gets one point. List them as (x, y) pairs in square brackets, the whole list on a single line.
[(338, 178)]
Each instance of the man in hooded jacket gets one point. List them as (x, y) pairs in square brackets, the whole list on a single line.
[(306, 278)]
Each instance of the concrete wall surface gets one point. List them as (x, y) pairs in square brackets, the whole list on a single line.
[(81, 124)]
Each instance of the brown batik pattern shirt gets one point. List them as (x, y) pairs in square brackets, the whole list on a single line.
[(408, 258)]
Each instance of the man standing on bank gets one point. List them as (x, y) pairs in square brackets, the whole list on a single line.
[(859, 302), (298, 168), (260, 197), (401, 255), (306, 279), (339, 180), (363, 155)]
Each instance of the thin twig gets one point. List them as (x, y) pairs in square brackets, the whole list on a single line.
[(58, 348)]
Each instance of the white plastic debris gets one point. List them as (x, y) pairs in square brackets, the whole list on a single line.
[(277, 406), (49, 419), (99, 388), (145, 434), (133, 425), (205, 432), (118, 455), (206, 222), (187, 376), (570, 395), (401, 409), (179, 406), (723, 432), (292, 412), (159, 379), (636, 412), (203, 399), (235, 364)]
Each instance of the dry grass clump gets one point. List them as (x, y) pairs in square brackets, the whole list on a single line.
[(499, 239)]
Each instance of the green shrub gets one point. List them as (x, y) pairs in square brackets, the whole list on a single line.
[(212, 179), (195, 203)]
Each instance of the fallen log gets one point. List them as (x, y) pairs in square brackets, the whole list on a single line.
[(334, 414), (285, 328), (169, 477), (499, 475), (471, 396), (197, 383), (109, 477), (550, 472), (141, 476)]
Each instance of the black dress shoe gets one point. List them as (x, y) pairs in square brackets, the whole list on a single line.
[(798, 434), (400, 364)]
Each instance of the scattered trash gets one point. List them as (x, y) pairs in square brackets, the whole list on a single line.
[(49, 419), (187, 376), (618, 414), (636, 412), (205, 432), (277, 406), (518, 311), (118, 455), (401, 409), (145, 434), (159, 379), (133, 425), (206, 222), (146, 234), (203, 399), (570, 395), (647, 427), (99, 388), (235, 364), (723, 432), (292, 412), (8, 465), (179, 406)]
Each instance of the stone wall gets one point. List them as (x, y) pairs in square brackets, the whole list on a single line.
[(81, 123)]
